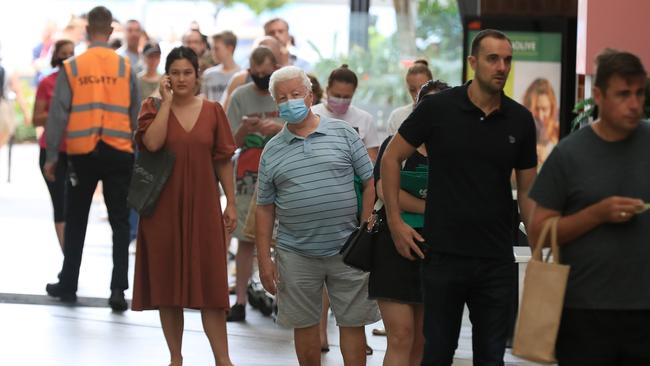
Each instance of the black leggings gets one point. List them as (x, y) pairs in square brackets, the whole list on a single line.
[(58, 187)]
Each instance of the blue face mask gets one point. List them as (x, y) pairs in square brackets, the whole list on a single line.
[(293, 111)]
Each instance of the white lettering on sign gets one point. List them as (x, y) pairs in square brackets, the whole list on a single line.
[(527, 46)]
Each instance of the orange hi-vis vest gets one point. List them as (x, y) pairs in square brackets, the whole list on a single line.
[(99, 81)]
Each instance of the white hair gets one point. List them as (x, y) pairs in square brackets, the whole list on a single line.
[(288, 73)]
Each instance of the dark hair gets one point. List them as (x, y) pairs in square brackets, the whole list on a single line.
[(227, 37), (343, 74), (271, 21), (315, 89), (485, 33), (420, 66), (180, 53), (431, 86), (99, 20), (260, 55), (204, 39), (56, 61), (115, 43), (151, 48), (612, 62)]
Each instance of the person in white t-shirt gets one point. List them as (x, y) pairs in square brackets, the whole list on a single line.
[(341, 86), (215, 79), (416, 76)]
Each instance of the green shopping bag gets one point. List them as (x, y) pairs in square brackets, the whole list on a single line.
[(415, 183)]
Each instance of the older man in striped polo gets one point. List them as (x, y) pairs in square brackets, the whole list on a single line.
[(306, 179)]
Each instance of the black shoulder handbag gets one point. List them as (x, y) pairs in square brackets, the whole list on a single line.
[(151, 171), (358, 249)]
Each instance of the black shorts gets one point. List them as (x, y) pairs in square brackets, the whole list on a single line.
[(393, 277), (58, 187)]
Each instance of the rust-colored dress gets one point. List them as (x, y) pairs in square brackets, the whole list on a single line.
[(181, 250)]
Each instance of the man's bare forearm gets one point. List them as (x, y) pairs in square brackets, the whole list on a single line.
[(367, 198), (390, 168), (569, 228), (526, 206), (407, 202), (264, 220)]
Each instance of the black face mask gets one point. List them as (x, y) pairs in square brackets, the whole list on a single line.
[(261, 82)]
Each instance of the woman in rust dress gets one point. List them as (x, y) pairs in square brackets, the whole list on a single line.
[(181, 249)]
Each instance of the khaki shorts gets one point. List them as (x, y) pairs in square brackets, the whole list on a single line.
[(249, 224), (300, 291), (248, 231), (243, 204)]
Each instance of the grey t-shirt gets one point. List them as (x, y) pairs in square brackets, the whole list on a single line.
[(246, 101), (610, 265), (148, 88), (215, 81)]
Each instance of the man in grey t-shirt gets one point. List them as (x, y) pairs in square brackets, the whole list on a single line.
[(253, 117), (597, 181)]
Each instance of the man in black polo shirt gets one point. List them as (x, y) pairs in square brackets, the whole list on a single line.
[(475, 136)]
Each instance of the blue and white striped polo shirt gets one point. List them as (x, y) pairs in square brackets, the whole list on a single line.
[(311, 182)]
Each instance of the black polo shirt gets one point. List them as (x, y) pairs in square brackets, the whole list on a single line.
[(471, 158)]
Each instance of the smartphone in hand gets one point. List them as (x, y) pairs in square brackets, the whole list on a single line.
[(166, 87), (251, 122)]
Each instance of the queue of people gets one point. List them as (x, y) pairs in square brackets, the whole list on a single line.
[(299, 176)]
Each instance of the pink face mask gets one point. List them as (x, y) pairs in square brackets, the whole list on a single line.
[(339, 105)]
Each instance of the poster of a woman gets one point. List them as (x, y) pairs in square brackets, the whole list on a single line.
[(540, 99)]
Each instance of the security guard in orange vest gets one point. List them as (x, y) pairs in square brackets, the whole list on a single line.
[(95, 106)]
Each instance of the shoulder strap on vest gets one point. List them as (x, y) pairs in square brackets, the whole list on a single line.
[(122, 67)]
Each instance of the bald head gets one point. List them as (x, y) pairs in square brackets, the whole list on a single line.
[(194, 40), (276, 48)]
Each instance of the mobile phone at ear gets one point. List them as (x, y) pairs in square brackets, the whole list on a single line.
[(168, 84)]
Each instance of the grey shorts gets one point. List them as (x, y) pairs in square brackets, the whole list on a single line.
[(300, 291)]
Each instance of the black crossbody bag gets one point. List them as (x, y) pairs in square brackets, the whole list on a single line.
[(151, 171)]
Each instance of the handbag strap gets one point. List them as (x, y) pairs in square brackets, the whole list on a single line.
[(550, 225), (379, 204), (157, 102), (555, 247)]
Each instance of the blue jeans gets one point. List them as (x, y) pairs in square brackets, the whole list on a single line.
[(486, 286)]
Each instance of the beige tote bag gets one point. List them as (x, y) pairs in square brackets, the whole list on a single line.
[(542, 301)]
